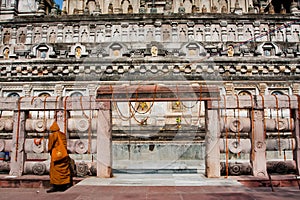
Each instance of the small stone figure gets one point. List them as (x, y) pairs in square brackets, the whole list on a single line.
[(168, 6), (224, 9), (204, 9), (6, 37), (64, 11), (142, 9), (237, 9), (78, 52), (110, 9), (86, 11), (6, 53), (230, 51), (261, 10), (251, 9), (214, 9), (282, 10), (271, 9), (237, 4), (154, 51), (181, 8), (97, 11), (194, 9), (130, 9), (22, 38)]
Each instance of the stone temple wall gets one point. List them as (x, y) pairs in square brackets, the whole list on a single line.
[(257, 54), (46, 54)]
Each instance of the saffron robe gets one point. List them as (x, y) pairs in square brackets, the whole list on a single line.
[(60, 170)]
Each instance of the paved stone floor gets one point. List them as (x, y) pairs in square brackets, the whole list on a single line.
[(155, 187)]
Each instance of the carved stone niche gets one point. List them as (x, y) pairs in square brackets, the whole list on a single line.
[(269, 49), (241, 91), (155, 49), (194, 50), (7, 52), (116, 50), (279, 91), (78, 51), (246, 51), (42, 51)]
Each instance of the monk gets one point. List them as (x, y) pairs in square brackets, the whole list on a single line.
[(60, 174)]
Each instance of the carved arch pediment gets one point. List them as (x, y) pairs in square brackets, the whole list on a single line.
[(42, 50)]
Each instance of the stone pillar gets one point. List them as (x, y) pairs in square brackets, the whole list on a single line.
[(212, 140), (60, 33), (229, 88), (223, 25), (296, 135), (14, 35), (191, 35), (296, 88), (18, 152), (157, 31), (258, 147), (44, 33), (104, 142), (29, 34), (262, 88)]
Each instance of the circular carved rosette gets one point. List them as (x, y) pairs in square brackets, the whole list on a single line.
[(40, 125), (38, 146), (235, 147), (39, 168), (80, 147), (82, 125), (260, 146), (235, 169), (82, 169), (236, 125)]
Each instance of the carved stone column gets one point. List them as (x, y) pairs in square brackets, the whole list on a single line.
[(104, 142), (157, 31), (14, 35), (229, 88), (59, 89), (296, 88), (60, 30), (29, 34), (27, 90), (258, 147), (212, 140), (18, 152), (223, 25), (262, 88), (44, 33), (92, 89)]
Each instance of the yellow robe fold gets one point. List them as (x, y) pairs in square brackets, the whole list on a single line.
[(59, 171)]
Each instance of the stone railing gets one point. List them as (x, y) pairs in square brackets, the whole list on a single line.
[(256, 135), (245, 135)]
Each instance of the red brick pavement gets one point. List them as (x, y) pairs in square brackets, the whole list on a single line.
[(79, 192)]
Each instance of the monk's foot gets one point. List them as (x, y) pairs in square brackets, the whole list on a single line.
[(52, 190)]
